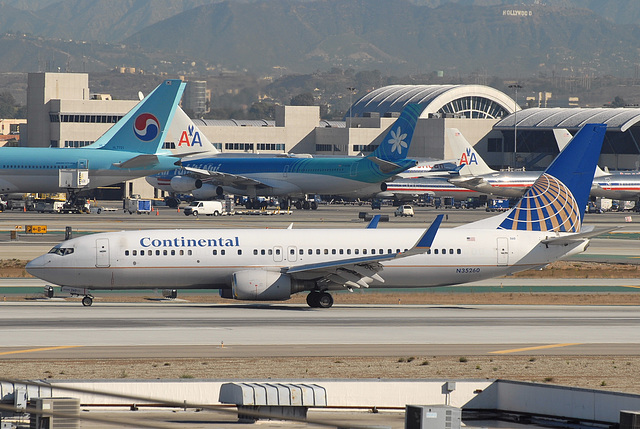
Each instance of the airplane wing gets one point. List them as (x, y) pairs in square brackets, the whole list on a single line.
[(144, 160), (385, 166), (467, 182), (224, 179), (359, 272), (573, 238)]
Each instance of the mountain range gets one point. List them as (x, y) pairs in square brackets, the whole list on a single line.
[(271, 37)]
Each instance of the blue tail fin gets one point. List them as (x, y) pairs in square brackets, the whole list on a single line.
[(557, 200), (143, 129), (395, 144)]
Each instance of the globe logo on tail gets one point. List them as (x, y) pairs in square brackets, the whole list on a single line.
[(547, 206), (146, 127)]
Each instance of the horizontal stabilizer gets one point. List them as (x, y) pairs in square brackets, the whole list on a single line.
[(140, 161), (385, 166), (570, 239)]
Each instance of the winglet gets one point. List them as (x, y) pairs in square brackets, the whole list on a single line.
[(429, 235), (374, 222)]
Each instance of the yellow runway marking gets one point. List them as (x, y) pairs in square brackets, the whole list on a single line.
[(526, 349), (43, 349)]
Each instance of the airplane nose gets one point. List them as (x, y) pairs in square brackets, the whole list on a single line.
[(35, 266)]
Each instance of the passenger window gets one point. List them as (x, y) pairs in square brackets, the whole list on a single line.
[(164, 252), (364, 251), (459, 251), (126, 253), (157, 252), (270, 251), (450, 251), (262, 252), (348, 251), (301, 252), (310, 251), (215, 252), (444, 251), (317, 251), (428, 251), (142, 253), (356, 251), (381, 252), (221, 252), (342, 251), (135, 252), (326, 251), (277, 251), (239, 251), (292, 251), (173, 252), (333, 251), (435, 251), (189, 252), (255, 251), (182, 252)]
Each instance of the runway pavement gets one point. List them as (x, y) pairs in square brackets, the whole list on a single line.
[(65, 330)]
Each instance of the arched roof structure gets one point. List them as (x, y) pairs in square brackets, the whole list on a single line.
[(471, 101), (570, 118)]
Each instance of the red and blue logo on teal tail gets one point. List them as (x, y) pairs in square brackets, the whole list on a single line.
[(146, 127)]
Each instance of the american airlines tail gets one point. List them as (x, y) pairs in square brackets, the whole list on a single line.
[(185, 138), (556, 202), (563, 137), (470, 163), (144, 128)]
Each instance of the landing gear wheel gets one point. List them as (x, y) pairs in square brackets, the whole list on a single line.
[(306, 205), (298, 205), (87, 301), (313, 299), (314, 206), (325, 300)]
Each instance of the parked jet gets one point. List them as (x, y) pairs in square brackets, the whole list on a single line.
[(273, 264), (295, 176), (409, 189), (616, 185), (475, 174), (129, 149)]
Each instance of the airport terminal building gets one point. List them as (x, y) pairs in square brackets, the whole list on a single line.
[(63, 113)]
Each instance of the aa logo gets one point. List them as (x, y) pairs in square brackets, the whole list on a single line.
[(190, 138), (468, 157)]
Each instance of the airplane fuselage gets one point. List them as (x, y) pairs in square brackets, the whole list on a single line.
[(38, 169), (285, 176), (208, 258)]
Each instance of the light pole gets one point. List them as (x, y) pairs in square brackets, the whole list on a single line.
[(515, 123), (351, 89)]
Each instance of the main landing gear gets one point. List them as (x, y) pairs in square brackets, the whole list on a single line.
[(317, 299), (87, 300)]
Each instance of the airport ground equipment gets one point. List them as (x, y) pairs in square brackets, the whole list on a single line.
[(275, 399)]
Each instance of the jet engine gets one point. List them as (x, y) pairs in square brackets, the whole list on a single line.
[(185, 183), (262, 285), (206, 192)]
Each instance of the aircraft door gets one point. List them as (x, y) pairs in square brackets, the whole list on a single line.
[(286, 170), (503, 251), (292, 254), (277, 254), (83, 163), (354, 169), (102, 253)]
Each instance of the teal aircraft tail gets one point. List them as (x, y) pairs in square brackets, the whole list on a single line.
[(396, 143), (144, 128)]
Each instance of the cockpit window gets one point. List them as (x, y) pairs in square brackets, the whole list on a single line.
[(62, 251)]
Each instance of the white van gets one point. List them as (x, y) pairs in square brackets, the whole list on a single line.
[(404, 211), (208, 208)]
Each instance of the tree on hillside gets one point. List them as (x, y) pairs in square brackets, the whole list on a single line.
[(304, 99), (9, 109)]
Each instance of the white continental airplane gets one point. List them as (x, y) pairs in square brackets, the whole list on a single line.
[(273, 264)]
